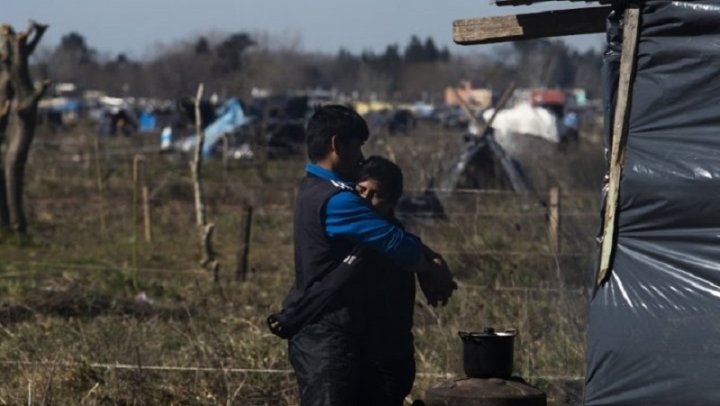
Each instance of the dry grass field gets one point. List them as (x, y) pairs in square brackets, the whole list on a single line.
[(93, 315)]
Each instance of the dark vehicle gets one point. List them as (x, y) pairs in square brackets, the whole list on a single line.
[(186, 108), (282, 119), (119, 121), (401, 121), (452, 117)]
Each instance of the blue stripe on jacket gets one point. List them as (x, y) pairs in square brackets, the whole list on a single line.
[(348, 216)]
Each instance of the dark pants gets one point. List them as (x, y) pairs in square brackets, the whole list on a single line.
[(325, 360), (385, 381), (333, 369), (337, 364)]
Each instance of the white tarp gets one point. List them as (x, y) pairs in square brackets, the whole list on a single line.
[(523, 119)]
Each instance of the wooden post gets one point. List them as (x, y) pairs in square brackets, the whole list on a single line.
[(146, 213), (244, 251), (205, 229), (554, 219), (482, 128), (137, 159), (619, 136), (196, 164), (100, 185)]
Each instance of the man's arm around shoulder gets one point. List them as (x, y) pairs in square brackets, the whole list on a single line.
[(348, 216)]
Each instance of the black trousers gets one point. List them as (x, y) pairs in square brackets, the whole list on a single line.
[(325, 360), (333, 369), (385, 381)]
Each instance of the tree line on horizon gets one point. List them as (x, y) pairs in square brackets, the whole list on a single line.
[(234, 64)]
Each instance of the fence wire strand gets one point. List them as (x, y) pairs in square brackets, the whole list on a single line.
[(175, 368)]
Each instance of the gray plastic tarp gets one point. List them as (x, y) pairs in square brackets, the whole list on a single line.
[(654, 332)]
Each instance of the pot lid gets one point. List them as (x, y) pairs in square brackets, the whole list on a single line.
[(489, 332)]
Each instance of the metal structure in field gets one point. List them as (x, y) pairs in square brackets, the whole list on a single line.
[(654, 326)]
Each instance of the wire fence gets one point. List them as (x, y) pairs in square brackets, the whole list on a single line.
[(537, 245), (548, 228), (229, 370), (40, 269)]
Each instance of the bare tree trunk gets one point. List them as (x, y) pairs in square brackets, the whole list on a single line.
[(19, 140), (5, 97), (4, 210), (20, 102), (205, 229)]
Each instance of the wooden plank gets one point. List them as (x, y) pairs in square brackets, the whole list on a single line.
[(488, 30), (518, 2), (502, 3), (619, 139)]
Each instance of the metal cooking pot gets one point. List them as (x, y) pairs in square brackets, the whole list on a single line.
[(488, 354)]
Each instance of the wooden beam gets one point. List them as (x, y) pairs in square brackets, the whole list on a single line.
[(518, 2), (619, 139), (488, 30), (529, 2)]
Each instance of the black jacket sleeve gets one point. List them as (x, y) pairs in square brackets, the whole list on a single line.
[(317, 297)]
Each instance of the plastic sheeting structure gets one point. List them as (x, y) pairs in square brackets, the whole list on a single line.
[(523, 119), (230, 117), (654, 331)]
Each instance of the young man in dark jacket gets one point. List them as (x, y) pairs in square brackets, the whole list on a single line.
[(330, 220), (387, 367), (385, 300)]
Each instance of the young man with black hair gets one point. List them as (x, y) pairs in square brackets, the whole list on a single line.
[(385, 301), (387, 366), (331, 223)]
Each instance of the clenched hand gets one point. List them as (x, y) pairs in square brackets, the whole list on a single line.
[(436, 281)]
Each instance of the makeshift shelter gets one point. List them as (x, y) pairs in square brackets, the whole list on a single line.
[(484, 164), (654, 336), (230, 117), (282, 118), (524, 119), (654, 329)]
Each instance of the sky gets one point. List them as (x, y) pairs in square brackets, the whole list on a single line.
[(136, 27)]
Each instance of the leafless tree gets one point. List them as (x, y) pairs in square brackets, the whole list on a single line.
[(19, 98)]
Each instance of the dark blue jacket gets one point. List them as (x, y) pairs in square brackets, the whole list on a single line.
[(330, 221)]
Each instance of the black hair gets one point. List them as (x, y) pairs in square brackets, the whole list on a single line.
[(333, 120), (387, 173)]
